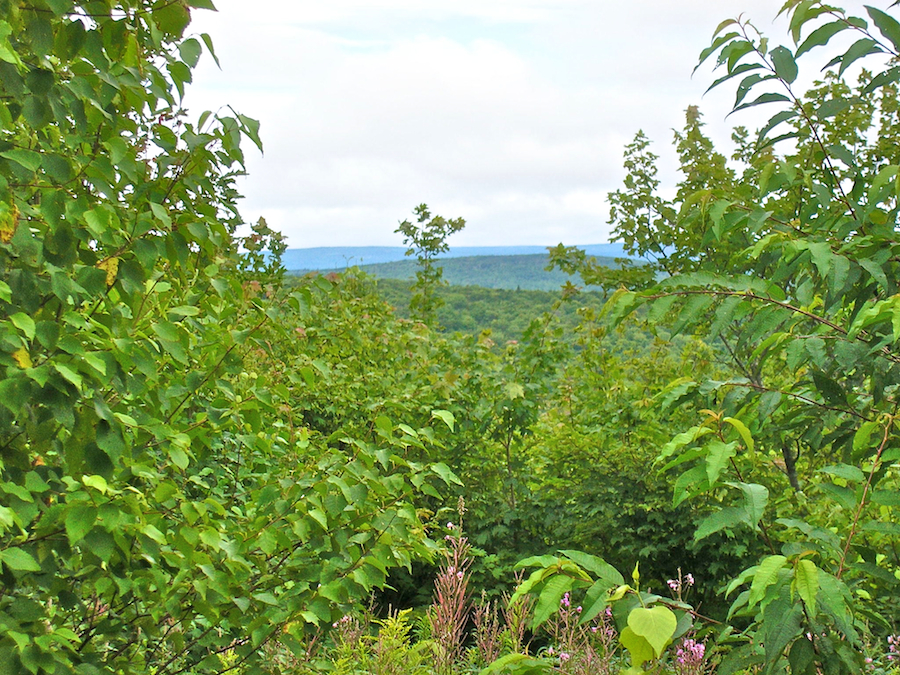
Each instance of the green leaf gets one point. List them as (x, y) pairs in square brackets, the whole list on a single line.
[(446, 474), (862, 437), (549, 598), (639, 648), (516, 664), (888, 26), (756, 498), (806, 582), (802, 657), (656, 625), (190, 51), (446, 416), (785, 66), (760, 100), (722, 519), (820, 36), (68, 374), (28, 158), (97, 482), (718, 456), (782, 622), (596, 566), (858, 50), (18, 560), (881, 79), (830, 390), (179, 457), (6, 51), (24, 323), (742, 430), (845, 471), (766, 575), (207, 40), (79, 521), (773, 122), (596, 599)]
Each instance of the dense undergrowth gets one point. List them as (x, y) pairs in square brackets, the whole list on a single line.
[(204, 469)]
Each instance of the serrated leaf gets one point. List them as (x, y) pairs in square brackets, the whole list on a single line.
[(756, 498), (830, 390), (782, 623)]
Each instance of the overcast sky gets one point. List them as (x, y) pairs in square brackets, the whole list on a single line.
[(512, 114)]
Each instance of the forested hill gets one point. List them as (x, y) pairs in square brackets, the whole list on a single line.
[(524, 272), (341, 257)]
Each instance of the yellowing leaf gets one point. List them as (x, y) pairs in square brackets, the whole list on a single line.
[(9, 220), (111, 267), (23, 358)]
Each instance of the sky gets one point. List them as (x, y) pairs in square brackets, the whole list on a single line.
[(512, 114)]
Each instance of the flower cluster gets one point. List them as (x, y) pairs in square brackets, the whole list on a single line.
[(566, 602), (689, 657), (682, 582), (886, 661)]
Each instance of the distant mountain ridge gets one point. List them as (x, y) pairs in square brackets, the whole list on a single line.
[(340, 257), (511, 272)]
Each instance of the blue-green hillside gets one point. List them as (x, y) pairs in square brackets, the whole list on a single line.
[(525, 272)]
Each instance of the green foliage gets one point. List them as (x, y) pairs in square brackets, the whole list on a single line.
[(791, 274), (505, 313), (198, 462), (427, 238), (648, 623), (511, 272), (163, 507)]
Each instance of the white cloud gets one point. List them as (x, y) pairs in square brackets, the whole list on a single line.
[(510, 113)]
